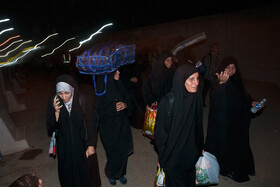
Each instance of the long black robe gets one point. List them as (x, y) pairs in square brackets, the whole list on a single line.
[(135, 91), (159, 82), (179, 136), (114, 127), (228, 126), (73, 137)]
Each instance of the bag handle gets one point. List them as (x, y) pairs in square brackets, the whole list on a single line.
[(105, 83)]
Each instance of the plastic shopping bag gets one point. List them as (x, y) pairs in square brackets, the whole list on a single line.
[(149, 122), (160, 178), (52, 149), (207, 170)]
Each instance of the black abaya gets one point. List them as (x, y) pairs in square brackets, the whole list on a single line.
[(228, 126), (114, 127), (159, 82), (179, 136), (73, 137)]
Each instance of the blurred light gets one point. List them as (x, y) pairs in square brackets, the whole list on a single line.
[(9, 39), (26, 52), (10, 29), (97, 32), (11, 45), (45, 39), (9, 61), (4, 20), (57, 47), (16, 48)]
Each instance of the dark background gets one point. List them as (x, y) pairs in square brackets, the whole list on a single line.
[(78, 17)]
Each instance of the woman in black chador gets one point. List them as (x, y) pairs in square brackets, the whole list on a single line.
[(159, 82), (114, 127), (179, 135), (77, 160), (228, 123)]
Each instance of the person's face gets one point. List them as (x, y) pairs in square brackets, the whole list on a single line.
[(230, 69), (65, 96), (215, 49), (168, 62), (117, 75), (192, 82)]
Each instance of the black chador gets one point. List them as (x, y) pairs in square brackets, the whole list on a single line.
[(73, 136), (114, 127), (179, 136)]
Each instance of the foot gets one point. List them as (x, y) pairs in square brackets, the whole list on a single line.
[(112, 181), (123, 180)]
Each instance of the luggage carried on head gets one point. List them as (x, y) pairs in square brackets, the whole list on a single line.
[(105, 58)]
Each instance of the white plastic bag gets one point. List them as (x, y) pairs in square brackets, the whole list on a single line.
[(207, 170)]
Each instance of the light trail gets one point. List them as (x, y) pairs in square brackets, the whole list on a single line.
[(4, 20), (9, 40), (57, 47), (16, 48), (5, 30), (10, 45), (25, 53), (97, 32), (9, 61)]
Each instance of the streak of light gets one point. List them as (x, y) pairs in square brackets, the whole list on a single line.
[(4, 20), (11, 45), (45, 39), (57, 47), (97, 32), (25, 53), (9, 40), (9, 61), (5, 30), (16, 48)]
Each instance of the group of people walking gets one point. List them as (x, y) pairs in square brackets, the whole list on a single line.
[(179, 136)]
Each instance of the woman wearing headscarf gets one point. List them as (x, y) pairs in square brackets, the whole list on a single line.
[(77, 160), (179, 131), (114, 108), (228, 123), (159, 82)]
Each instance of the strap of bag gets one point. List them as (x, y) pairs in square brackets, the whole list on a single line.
[(105, 82)]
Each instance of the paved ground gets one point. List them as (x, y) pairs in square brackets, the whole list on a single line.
[(265, 139)]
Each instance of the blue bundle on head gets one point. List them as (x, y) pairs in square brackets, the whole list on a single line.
[(105, 58)]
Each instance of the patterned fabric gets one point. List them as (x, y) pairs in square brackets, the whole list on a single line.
[(105, 58)]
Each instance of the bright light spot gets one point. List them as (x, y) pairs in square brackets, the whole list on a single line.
[(57, 47), (97, 32)]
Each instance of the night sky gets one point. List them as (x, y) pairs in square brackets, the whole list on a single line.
[(76, 17)]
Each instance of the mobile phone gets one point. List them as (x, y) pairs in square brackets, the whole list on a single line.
[(59, 99)]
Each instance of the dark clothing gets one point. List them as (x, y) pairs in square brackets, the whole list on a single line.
[(134, 89), (179, 136), (228, 127), (210, 62), (73, 137), (114, 127), (159, 82)]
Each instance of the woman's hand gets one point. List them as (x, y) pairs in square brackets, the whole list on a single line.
[(158, 165), (90, 151), (154, 104), (222, 77), (120, 106), (57, 106)]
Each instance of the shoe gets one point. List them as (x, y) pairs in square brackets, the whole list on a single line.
[(112, 181), (123, 180)]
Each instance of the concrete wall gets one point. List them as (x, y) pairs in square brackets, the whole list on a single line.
[(251, 36)]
